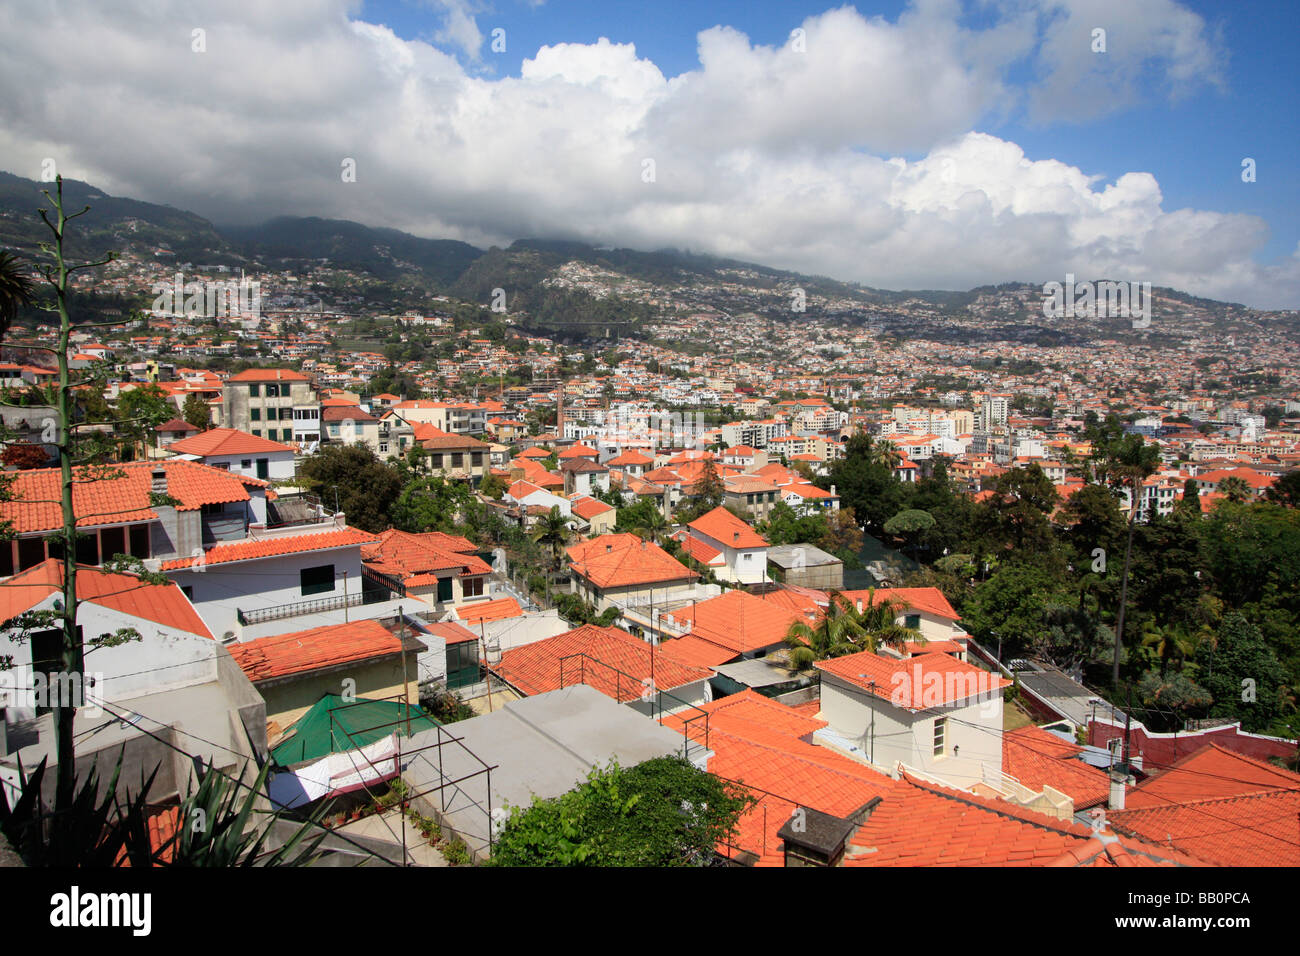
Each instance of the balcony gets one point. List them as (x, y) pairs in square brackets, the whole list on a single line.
[(376, 588)]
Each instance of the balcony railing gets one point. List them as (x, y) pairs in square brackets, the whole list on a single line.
[(376, 589)]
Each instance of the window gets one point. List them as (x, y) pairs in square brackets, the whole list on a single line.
[(246, 463), (457, 460), (478, 459), (188, 591), (287, 434), (383, 446), (255, 414), (913, 621), (940, 733), (140, 541), (472, 587), (317, 580), (273, 391), (254, 391), (444, 589), (257, 433)]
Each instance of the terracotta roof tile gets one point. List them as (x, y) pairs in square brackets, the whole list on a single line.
[(300, 652), (163, 604), (625, 560), (616, 664), (226, 441), (256, 549)]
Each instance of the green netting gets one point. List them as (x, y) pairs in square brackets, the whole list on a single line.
[(324, 729)]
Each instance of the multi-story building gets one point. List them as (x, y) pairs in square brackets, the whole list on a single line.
[(276, 403)]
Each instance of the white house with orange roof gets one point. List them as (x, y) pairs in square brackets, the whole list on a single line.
[(922, 609), (175, 682), (744, 550), (238, 452), (806, 498), (931, 713)]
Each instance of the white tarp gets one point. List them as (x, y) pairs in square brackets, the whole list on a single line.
[(337, 773)]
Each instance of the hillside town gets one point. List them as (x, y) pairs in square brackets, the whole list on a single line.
[(433, 588)]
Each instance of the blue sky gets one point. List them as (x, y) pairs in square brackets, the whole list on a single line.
[(903, 144), (1194, 145)]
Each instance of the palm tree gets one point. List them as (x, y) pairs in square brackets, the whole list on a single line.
[(653, 527), (1234, 489), (553, 531), (1124, 461), (843, 629), (15, 290), (879, 621), (836, 633)]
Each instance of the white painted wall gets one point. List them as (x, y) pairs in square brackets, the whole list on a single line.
[(973, 736), (164, 658)]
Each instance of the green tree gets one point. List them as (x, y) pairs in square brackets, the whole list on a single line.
[(366, 487), (16, 290), (911, 525), (430, 504), (786, 526), (1286, 490), (196, 412), (1244, 676), (141, 410), (1235, 489), (552, 532), (709, 487), (1123, 461), (663, 812)]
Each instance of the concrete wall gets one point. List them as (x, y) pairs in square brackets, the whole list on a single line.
[(221, 589), (288, 700), (164, 658), (280, 464), (973, 736)]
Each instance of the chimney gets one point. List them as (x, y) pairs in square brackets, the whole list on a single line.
[(735, 537), (1118, 784), (609, 547), (158, 480), (833, 495)]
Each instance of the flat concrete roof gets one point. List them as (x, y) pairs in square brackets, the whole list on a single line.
[(796, 555), (539, 746), (756, 673)]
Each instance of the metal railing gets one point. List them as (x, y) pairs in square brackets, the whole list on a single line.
[(638, 689), (335, 602)]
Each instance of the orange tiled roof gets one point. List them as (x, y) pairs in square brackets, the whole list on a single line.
[(116, 494), (625, 560), (1250, 829), (922, 824), (588, 508), (300, 652), (535, 668), (721, 525), (929, 600), (496, 610), (226, 441), (696, 651), (407, 556), (1212, 771), (163, 604), (269, 375), (917, 683), (1037, 758), (738, 621), (256, 549)]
